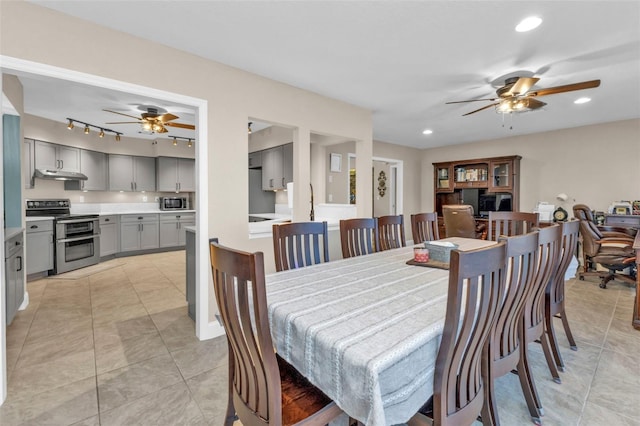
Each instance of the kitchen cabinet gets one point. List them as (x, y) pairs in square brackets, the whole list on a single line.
[(51, 156), (139, 232), (28, 162), (93, 164), (277, 167), (109, 235), (40, 246), (132, 173), (176, 174), (255, 160), (14, 274), (172, 228)]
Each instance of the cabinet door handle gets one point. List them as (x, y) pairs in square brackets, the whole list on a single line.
[(131, 185), (283, 182), (270, 183), (142, 227), (140, 217), (62, 162), (20, 267), (107, 220), (34, 226)]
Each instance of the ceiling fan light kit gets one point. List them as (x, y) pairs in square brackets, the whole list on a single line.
[(516, 95), (152, 121)]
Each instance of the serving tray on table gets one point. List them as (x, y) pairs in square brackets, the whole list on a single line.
[(430, 264)]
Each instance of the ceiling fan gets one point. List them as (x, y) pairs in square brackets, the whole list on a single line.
[(153, 120), (516, 96)]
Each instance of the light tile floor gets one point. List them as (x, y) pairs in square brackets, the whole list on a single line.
[(112, 345)]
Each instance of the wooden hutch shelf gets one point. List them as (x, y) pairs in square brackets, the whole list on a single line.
[(488, 184)]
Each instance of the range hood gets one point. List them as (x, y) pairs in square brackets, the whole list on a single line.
[(59, 175)]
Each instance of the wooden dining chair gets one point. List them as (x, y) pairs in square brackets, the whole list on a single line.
[(263, 388), (299, 244), (554, 293), (510, 223), (391, 232), (358, 236), (424, 227), (476, 290), (502, 350), (532, 324)]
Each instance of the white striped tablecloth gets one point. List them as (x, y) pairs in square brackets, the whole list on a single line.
[(365, 330)]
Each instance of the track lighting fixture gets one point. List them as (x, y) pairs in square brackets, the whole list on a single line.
[(88, 126), (175, 140), (249, 127)]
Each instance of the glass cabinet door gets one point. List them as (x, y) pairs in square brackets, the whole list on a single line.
[(444, 179), (501, 175)]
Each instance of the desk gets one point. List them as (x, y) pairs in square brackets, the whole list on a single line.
[(636, 307), (632, 221), (365, 330)]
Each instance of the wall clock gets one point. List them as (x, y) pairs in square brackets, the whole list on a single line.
[(560, 215)]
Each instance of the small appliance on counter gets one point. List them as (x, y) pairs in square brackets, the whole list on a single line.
[(174, 203), (77, 237), (545, 211)]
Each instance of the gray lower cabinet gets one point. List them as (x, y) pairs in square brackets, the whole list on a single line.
[(14, 275), (109, 235), (139, 232), (172, 228), (39, 246)]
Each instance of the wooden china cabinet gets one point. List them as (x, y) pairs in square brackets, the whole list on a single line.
[(488, 184)]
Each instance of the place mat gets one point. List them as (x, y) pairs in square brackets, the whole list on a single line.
[(430, 264)]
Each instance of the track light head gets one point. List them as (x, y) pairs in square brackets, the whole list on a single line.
[(117, 137), (249, 127), (86, 129), (175, 142), (70, 126), (101, 134), (190, 143)]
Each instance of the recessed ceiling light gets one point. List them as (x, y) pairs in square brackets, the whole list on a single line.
[(427, 132), (527, 24), (582, 100)]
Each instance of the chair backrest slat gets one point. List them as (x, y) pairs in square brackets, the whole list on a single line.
[(358, 236), (568, 247), (476, 290), (300, 244), (391, 232), (510, 223), (549, 239), (424, 227), (239, 287)]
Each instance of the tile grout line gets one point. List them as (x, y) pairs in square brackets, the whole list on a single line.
[(595, 371), (95, 358)]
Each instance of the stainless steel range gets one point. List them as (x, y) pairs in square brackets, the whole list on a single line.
[(77, 236)]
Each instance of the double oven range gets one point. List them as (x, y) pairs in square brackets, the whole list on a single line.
[(77, 237)]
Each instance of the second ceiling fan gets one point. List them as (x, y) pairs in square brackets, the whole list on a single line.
[(516, 95), (153, 121)]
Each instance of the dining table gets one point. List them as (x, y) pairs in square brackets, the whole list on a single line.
[(364, 330)]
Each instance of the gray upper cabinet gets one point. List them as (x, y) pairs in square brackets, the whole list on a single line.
[(131, 173), (176, 174), (277, 167), (93, 164), (255, 159), (56, 157)]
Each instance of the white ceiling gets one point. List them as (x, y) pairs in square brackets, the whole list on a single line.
[(401, 59)]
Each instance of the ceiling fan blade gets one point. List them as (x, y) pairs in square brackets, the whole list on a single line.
[(126, 115), (470, 100), (480, 109), (521, 86), (566, 88), (123, 122), (167, 117), (533, 103), (161, 130), (181, 125)]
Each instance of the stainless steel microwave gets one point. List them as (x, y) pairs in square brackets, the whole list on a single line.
[(174, 203)]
